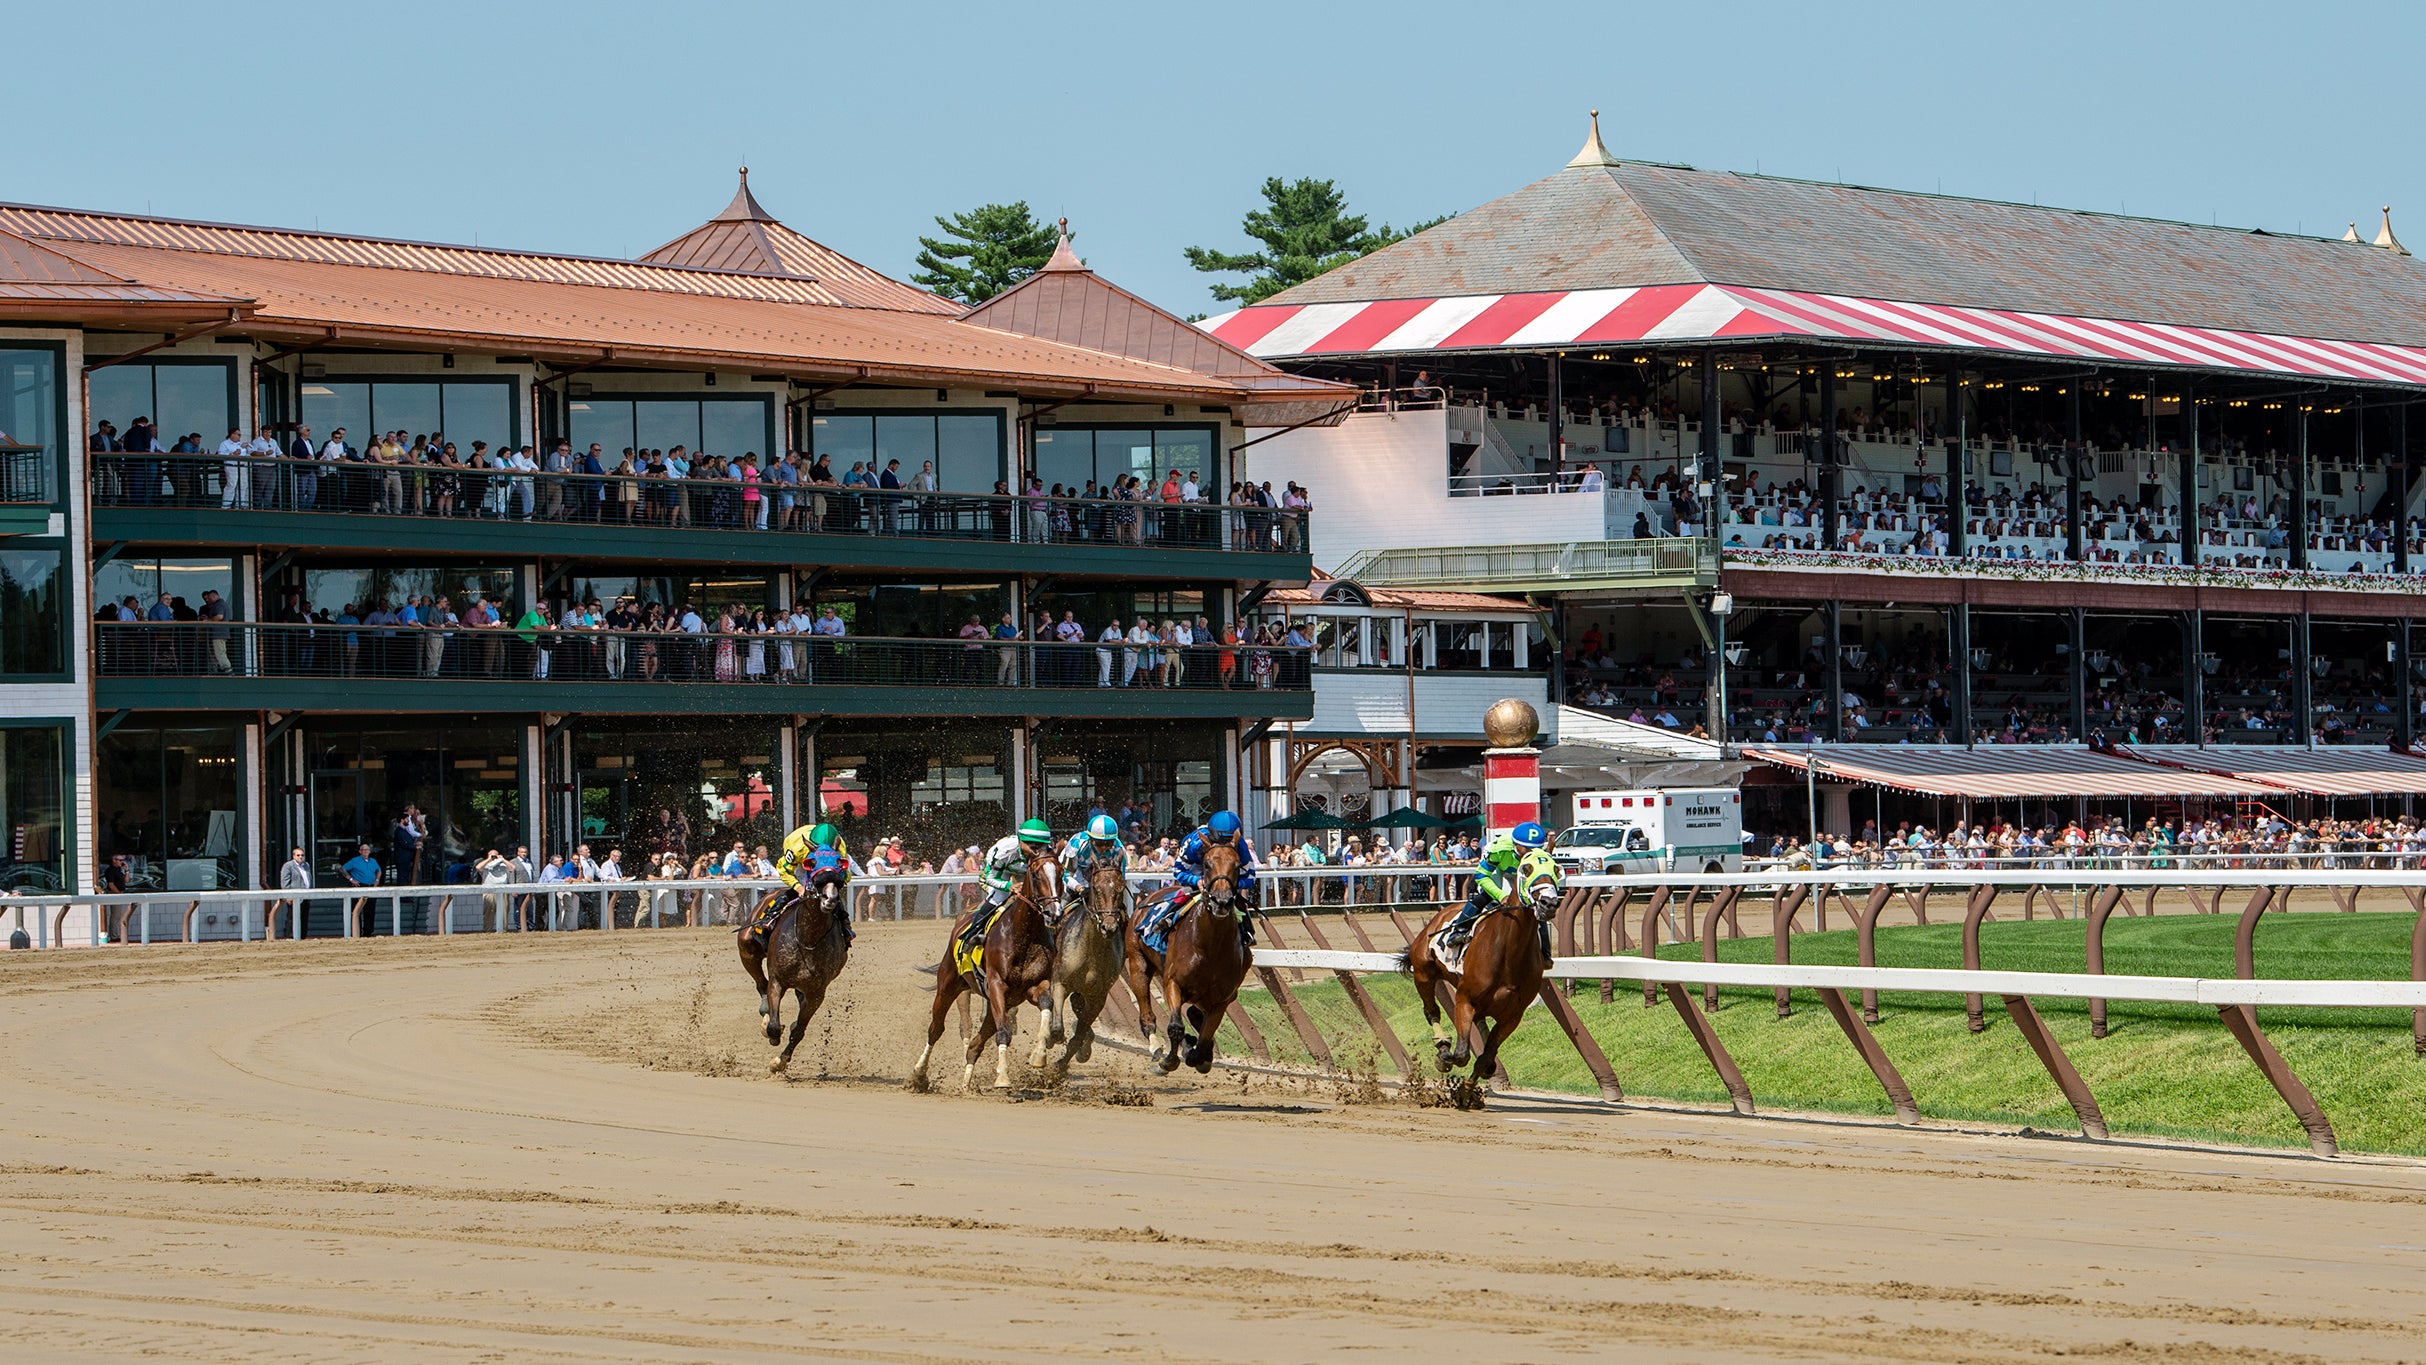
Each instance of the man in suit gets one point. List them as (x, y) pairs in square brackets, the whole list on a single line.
[(305, 472), (294, 878)]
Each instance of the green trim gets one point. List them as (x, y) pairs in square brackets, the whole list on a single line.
[(194, 526), (627, 698), (24, 519), (60, 501), (70, 819)]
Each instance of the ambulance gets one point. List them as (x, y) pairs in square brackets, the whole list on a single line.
[(1697, 829)]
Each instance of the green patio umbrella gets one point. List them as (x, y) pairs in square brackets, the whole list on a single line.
[(1308, 820), (1408, 817)]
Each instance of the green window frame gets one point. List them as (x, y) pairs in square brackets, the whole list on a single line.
[(894, 433), (25, 419), (1051, 457), (587, 416), (323, 388)]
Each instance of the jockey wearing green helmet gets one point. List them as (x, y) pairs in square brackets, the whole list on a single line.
[(1005, 864)]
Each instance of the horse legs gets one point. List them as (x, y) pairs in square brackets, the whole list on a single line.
[(1082, 1028), (1175, 1028), (1141, 985), (1002, 1007), (1208, 1023), (803, 1007), (1461, 1018), (1427, 984), (1486, 1059), (977, 1045), (1050, 1031), (948, 988), (754, 961)]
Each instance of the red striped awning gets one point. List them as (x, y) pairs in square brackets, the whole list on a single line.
[(1698, 312), (2352, 770), (2001, 771)]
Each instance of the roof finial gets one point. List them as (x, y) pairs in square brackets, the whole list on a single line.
[(2353, 235), (1063, 257), (2385, 238), (1595, 152)]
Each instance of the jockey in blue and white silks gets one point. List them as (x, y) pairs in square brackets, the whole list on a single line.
[(1223, 828), (1095, 846)]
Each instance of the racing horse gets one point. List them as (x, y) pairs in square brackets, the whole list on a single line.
[(1087, 959), (1204, 958), (805, 950), (1500, 976), (1017, 966)]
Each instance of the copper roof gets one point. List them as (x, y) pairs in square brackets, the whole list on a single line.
[(1418, 599), (745, 237), (303, 299), (1994, 772), (34, 277), (1067, 302), (1595, 225)]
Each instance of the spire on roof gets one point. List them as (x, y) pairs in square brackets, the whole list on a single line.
[(744, 208), (1595, 152), (1063, 257), (2385, 238), (2353, 235)]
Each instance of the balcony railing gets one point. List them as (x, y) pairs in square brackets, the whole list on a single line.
[(447, 492), (25, 474), (202, 649)]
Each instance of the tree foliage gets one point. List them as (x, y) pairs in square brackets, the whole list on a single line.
[(1306, 229), (983, 252)]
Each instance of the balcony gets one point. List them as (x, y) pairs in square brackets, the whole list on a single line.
[(363, 506), (246, 666), (25, 489)]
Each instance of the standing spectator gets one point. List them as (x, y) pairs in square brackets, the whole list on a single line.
[(539, 634), (294, 878), (235, 473), (1006, 668), (411, 828), (214, 612), (1112, 637)]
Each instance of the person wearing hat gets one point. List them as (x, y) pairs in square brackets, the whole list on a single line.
[(1005, 865)]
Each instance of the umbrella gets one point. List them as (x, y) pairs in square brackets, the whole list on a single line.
[(1471, 822), (1308, 819), (1408, 817)]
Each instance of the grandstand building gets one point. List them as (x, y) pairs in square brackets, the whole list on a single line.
[(214, 653), (1817, 463)]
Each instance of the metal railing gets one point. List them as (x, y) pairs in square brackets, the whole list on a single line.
[(246, 649), (25, 474), (435, 491), (1665, 560)]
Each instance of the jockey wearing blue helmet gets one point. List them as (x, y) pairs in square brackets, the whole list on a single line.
[(1223, 828), (1516, 867), (1097, 844)]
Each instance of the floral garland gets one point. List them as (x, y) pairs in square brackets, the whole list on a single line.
[(2066, 571)]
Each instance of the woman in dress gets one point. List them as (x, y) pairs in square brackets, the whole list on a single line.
[(787, 666), (448, 482), (627, 491), (754, 666), (652, 624), (728, 660)]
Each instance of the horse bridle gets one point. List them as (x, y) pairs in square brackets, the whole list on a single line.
[(1118, 916)]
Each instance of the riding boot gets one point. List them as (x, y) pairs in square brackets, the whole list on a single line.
[(1548, 961), (1457, 930)]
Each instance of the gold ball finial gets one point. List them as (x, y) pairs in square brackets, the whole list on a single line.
[(1511, 723)]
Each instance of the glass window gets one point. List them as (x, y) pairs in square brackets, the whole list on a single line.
[(604, 422), (330, 405), (844, 440), (33, 790), (479, 412), (686, 790), (146, 580), (1074, 455), (734, 427), (463, 410), (966, 447), (181, 397), (168, 800), (1190, 451), (910, 440), (968, 454), (1065, 457), (412, 409), (660, 424), (32, 608), (465, 778), (333, 590), (939, 788), (29, 396), (1119, 452)]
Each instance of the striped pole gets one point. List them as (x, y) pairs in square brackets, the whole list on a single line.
[(1512, 789)]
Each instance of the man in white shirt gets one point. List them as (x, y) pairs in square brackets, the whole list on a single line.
[(526, 491), (1112, 635), (1188, 491), (232, 480)]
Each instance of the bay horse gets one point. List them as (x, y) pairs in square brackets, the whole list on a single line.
[(1018, 965), (805, 950), (1500, 978), (1087, 960), (1204, 960)]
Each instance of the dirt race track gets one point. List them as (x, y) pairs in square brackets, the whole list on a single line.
[(566, 1148)]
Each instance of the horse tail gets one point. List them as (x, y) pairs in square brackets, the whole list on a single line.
[(926, 977), (1405, 961)]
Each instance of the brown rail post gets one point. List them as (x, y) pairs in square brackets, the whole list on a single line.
[(2051, 1056), (2108, 897), (1865, 938), (2242, 1021), (1612, 912), (1650, 942), (1721, 904), (1781, 924), (1738, 1093), (1355, 990), (1291, 1010), (2417, 964), (1918, 899), (1889, 1079), (1982, 897), (1586, 1046)]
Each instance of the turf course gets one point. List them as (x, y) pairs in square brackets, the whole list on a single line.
[(2162, 1070)]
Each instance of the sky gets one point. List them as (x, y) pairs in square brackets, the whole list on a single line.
[(608, 129)]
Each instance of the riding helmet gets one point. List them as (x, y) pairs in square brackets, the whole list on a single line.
[(1223, 825), (1036, 832), (825, 835), (1529, 835), (1102, 830)]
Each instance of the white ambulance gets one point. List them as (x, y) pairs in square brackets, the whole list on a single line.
[(1697, 829)]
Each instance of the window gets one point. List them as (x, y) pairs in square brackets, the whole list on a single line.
[(731, 427), (182, 397), (33, 795), (966, 448), (333, 590), (29, 416), (169, 800), (147, 580), (1071, 456), (461, 410), (33, 603)]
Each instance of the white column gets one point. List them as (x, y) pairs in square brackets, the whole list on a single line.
[(250, 781), (1019, 772), (788, 775)]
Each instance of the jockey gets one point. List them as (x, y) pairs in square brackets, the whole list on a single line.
[(1097, 844), (1005, 864), (1515, 867), (807, 852), (1223, 828)]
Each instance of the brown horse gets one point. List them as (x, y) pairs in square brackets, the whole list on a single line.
[(1087, 959), (805, 949), (1205, 958), (1018, 966), (1500, 979)]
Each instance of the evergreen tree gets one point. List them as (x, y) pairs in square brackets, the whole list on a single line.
[(983, 252), (1306, 229)]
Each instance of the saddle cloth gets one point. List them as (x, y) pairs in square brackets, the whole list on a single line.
[(1155, 918)]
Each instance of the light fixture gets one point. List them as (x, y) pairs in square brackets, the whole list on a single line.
[(711, 379)]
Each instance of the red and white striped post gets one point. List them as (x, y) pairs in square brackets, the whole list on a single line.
[(1512, 774)]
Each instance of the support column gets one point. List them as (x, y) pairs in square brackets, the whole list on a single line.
[(1958, 643), (1836, 671), (1710, 421), (1558, 418), (2080, 674), (1958, 439), (787, 774), (1019, 772), (2074, 453), (2404, 725), (2190, 475), (2194, 674), (2301, 701), (1829, 483), (2299, 490), (2405, 702)]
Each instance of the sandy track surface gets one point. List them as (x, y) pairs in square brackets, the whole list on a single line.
[(566, 1148)]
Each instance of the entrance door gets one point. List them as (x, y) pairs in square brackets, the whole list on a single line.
[(603, 802), (339, 825)]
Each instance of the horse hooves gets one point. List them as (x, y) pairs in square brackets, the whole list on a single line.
[(775, 1066), (1167, 1063)]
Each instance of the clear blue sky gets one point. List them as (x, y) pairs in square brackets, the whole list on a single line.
[(608, 129)]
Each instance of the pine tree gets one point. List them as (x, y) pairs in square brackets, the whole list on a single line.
[(983, 252), (1306, 230)]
